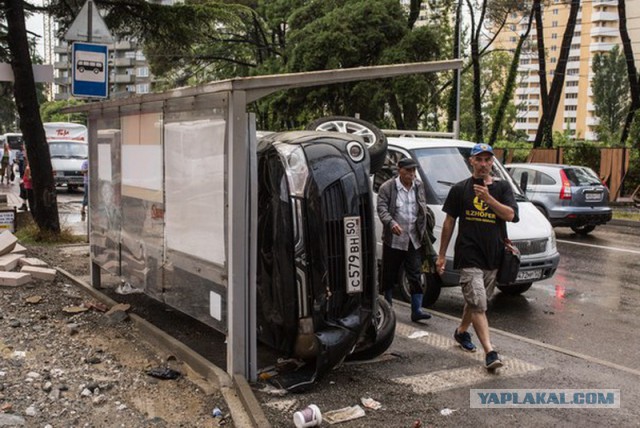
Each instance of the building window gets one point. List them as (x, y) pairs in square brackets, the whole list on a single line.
[(554, 36), (554, 24), (553, 60), (574, 58), (570, 96), (555, 11), (554, 48), (575, 46), (140, 56), (570, 108), (570, 119), (576, 34), (142, 72), (130, 54), (573, 71), (524, 61), (142, 88), (521, 120), (572, 83)]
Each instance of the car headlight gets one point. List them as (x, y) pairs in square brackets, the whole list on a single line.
[(355, 151), (296, 167), (552, 241)]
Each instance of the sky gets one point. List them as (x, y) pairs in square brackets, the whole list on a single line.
[(35, 24)]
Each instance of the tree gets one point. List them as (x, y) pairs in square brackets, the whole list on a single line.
[(544, 127), (45, 211), (610, 87), (634, 79), (50, 111), (542, 71), (509, 86)]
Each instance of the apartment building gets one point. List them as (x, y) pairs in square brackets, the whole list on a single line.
[(597, 31)]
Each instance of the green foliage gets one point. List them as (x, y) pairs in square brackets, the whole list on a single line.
[(610, 87), (50, 111), (29, 233)]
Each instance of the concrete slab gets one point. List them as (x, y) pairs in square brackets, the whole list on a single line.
[(8, 262), (32, 261), (39, 272), (7, 242), (19, 249), (14, 279)]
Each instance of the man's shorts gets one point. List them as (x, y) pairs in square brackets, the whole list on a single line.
[(477, 286)]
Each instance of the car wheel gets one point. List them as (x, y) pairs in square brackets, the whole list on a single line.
[(373, 137), (71, 189), (583, 230), (432, 283), (385, 322), (515, 289)]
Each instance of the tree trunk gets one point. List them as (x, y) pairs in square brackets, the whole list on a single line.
[(634, 83), (414, 13), (396, 112), (542, 70), (509, 85), (477, 101), (558, 78), (45, 210)]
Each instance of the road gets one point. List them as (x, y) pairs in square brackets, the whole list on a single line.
[(576, 330)]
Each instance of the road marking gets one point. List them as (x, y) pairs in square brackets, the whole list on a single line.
[(545, 345), (623, 250), (458, 377)]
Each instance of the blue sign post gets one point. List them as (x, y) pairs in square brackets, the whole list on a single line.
[(90, 70)]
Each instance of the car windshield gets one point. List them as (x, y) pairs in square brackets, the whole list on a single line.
[(445, 166), (67, 149), (582, 176)]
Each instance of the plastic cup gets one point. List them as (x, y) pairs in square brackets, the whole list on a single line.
[(310, 416)]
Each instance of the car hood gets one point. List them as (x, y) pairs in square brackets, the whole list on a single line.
[(532, 225)]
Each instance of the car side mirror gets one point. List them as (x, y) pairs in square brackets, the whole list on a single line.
[(523, 181)]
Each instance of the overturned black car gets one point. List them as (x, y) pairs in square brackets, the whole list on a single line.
[(317, 290)]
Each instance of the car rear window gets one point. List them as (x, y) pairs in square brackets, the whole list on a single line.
[(581, 176)]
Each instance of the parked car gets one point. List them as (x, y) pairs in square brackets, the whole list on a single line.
[(444, 162), (68, 146), (316, 284), (569, 196)]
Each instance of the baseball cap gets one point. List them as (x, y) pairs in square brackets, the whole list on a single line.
[(407, 163), (481, 148)]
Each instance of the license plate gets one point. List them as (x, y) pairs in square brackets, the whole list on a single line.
[(593, 196), (524, 275), (353, 254)]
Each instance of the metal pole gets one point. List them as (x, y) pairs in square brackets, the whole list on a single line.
[(89, 21)]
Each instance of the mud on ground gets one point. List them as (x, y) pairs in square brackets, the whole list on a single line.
[(86, 368)]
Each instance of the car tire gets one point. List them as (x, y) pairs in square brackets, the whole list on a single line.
[(374, 138), (433, 286), (515, 289), (385, 321), (71, 189), (583, 230)]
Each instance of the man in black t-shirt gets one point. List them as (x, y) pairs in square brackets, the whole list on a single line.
[(482, 204)]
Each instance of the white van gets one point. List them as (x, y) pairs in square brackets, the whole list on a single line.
[(443, 163), (69, 148)]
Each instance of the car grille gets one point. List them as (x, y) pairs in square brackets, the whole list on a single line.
[(531, 246), (334, 211)]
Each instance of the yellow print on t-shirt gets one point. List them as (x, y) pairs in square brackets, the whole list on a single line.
[(480, 213)]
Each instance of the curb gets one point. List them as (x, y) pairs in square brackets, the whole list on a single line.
[(243, 405)]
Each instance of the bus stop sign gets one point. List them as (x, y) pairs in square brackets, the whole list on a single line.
[(90, 70)]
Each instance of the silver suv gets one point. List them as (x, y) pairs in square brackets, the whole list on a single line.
[(569, 196)]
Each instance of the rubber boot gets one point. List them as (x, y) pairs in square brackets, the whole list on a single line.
[(416, 309), (388, 296)]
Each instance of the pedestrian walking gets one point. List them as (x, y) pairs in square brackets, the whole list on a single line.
[(4, 163), (28, 186), (482, 204), (406, 218)]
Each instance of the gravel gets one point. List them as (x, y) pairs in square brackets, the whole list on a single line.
[(81, 368)]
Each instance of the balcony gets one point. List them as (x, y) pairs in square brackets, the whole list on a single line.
[(571, 90), (62, 81), (61, 65), (591, 136), (124, 78), (62, 96), (593, 121), (604, 16), (604, 32), (571, 101), (124, 46), (591, 107), (613, 3), (570, 114), (601, 47), (124, 62), (61, 49)]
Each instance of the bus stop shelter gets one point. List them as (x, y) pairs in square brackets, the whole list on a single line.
[(173, 195)]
